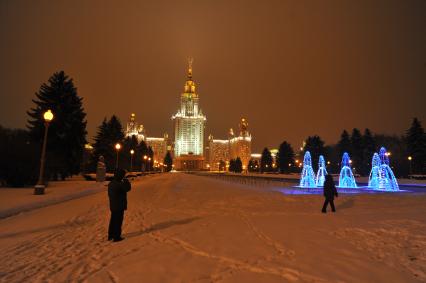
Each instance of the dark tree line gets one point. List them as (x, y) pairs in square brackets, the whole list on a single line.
[(168, 162), (236, 165), (359, 145), (285, 158), (416, 147), (266, 161), (253, 165), (315, 145), (111, 132), (362, 146), (20, 158)]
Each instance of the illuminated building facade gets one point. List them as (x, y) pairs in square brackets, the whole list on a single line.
[(159, 146), (189, 123), (134, 129), (240, 146), (235, 146), (218, 154)]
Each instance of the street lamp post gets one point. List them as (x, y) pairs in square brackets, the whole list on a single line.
[(131, 159), (144, 162), (149, 163), (409, 162), (117, 147), (39, 188)]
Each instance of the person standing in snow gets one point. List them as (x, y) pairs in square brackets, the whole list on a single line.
[(117, 193), (330, 192)]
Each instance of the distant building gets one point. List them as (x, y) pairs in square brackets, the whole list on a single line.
[(134, 129), (189, 129), (188, 147), (235, 146), (256, 156), (159, 146), (218, 154), (240, 146)]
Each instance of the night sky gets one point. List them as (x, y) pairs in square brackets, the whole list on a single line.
[(292, 68)]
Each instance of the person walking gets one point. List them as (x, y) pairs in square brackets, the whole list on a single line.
[(330, 192), (117, 193)]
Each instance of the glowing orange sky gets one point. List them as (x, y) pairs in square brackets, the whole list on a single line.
[(293, 68)]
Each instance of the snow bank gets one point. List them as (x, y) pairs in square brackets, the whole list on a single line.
[(17, 200)]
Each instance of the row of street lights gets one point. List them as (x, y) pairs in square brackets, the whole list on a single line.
[(48, 116), (132, 152)]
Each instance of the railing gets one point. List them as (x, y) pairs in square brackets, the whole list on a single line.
[(250, 180)]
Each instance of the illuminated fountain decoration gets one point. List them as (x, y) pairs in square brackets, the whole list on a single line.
[(322, 172), (381, 175), (307, 179), (373, 180), (346, 178)]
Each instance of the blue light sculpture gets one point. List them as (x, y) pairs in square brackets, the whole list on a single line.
[(381, 175), (307, 179), (373, 180), (346, 178), (322, 172)]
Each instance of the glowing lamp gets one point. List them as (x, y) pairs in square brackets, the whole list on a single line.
[(410, 158), (48, 116), (117, 146), (132, 151)]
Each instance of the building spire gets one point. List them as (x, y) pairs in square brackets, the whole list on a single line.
[(189, 84), (190, 61)]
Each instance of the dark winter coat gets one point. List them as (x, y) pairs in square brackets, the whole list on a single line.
[(330, 190), (117, 193)]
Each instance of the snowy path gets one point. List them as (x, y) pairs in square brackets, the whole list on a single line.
[(184, 228)]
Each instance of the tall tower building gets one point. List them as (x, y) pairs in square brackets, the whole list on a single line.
[(189, 128)]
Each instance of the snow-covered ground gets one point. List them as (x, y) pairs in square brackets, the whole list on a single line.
[(16, 200), (187, 228)]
